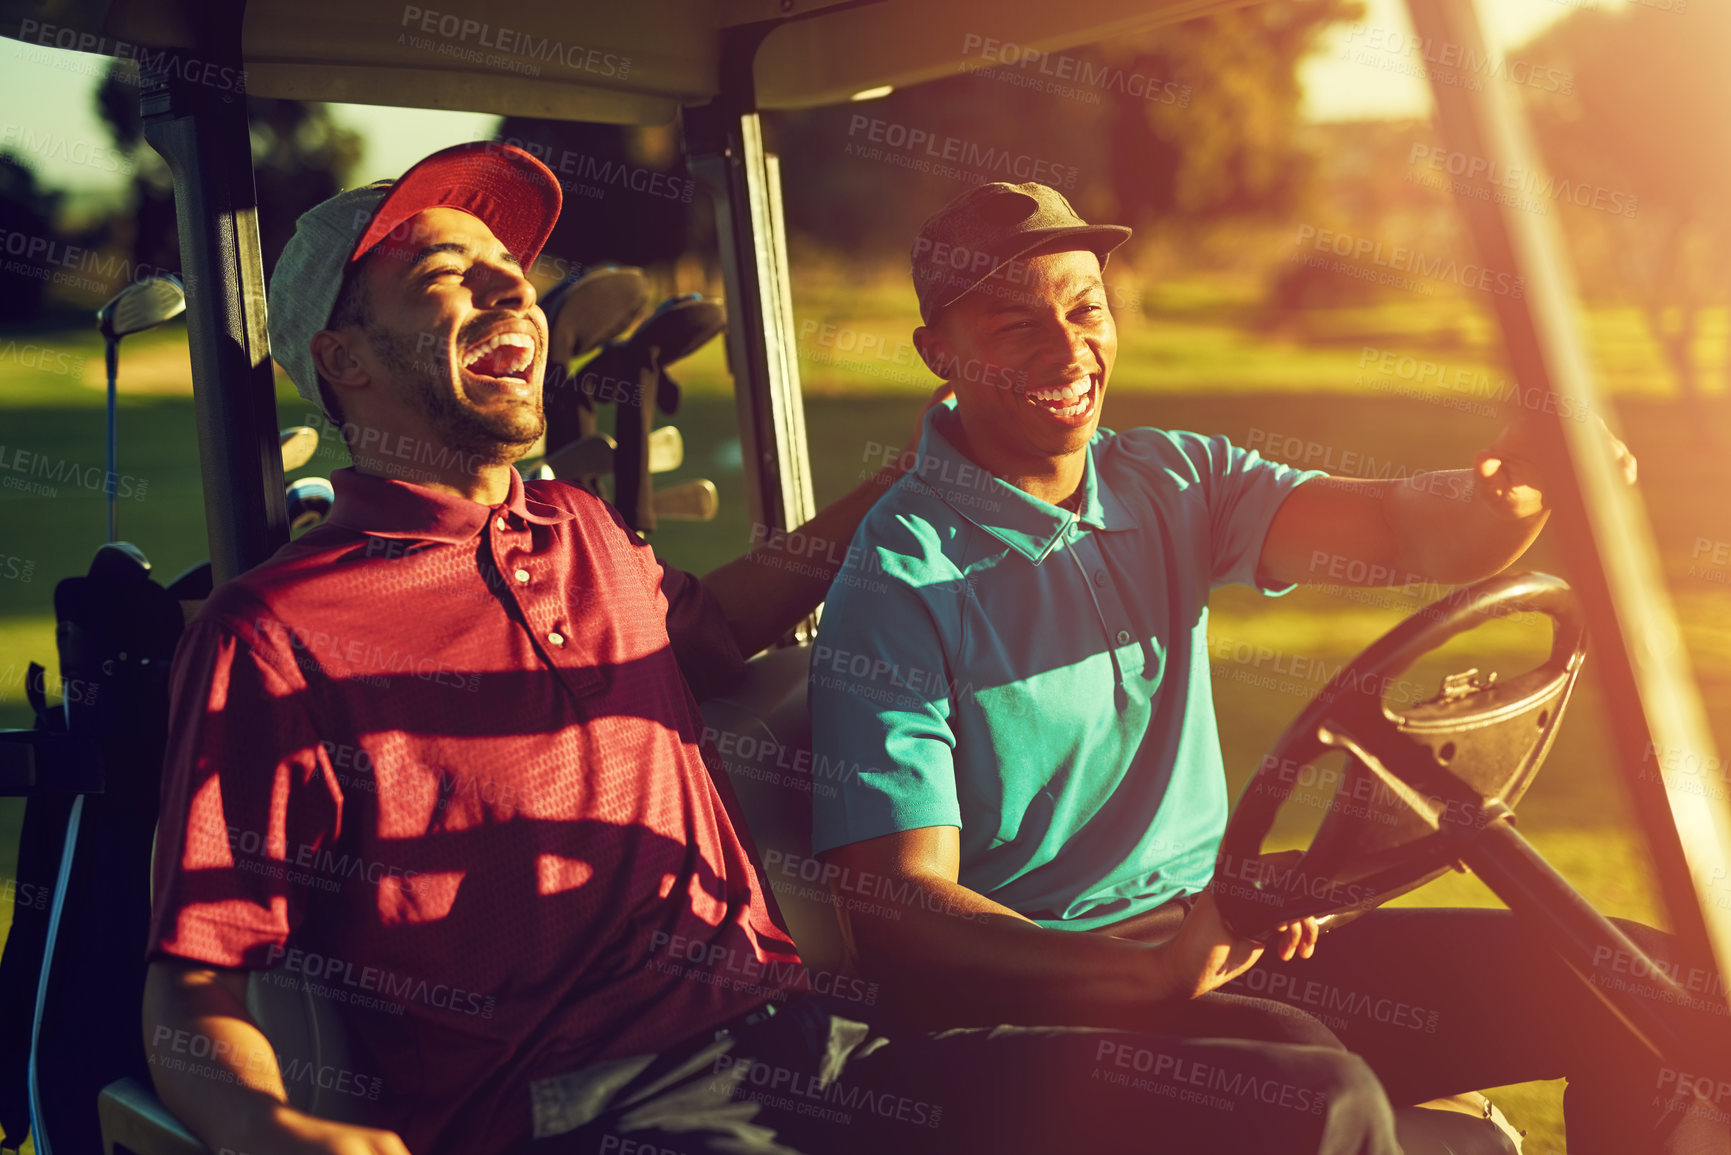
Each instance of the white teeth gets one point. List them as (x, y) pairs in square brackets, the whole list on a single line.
[(522, 343), (1061, 393), (1080, 393)]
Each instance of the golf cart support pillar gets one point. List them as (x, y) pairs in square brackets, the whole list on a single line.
[(724, 145), (1656, 713), (201, 131)]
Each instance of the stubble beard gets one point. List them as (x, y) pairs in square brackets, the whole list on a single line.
[(482, 438)]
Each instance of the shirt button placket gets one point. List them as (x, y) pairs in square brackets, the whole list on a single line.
[(1111, 605)]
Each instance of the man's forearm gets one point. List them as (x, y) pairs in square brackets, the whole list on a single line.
[(957, 955), (766, 591), (1446, 533), (211, 1065)]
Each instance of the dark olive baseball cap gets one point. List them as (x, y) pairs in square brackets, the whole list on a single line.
[(990, 226)]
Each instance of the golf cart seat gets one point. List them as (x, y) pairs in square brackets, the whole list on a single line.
[(760, 732), (304, 1031)]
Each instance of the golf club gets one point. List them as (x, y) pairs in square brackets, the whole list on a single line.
[(666, 449), (688, 501), (120, 561), (298, 443), (308, 501), (585, 312), (141, 305), (592, 456)]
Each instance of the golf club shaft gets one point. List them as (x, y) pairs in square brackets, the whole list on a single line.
[(113, 445)]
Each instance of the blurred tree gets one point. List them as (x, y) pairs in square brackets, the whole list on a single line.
[(628, 196), (1646, 119), (300, 156), (26, 209), (1229, 148), (1189, 123)]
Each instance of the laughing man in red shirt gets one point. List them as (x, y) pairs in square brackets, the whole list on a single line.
[(441, 755)]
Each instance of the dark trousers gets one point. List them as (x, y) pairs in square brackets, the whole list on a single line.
[(1435, 1001), (811, 1082), (1441, 1001)]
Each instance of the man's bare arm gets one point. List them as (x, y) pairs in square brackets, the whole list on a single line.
[(962, 956), (1430, 527), (1452, 526), (215, 1070), (765, 592)]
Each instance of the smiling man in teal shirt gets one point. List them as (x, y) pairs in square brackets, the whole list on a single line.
[(1013, 666), (1081, 714)]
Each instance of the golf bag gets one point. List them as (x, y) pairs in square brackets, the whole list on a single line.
[(72, 975)]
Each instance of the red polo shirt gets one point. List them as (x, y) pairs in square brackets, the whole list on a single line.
[(448, 754)]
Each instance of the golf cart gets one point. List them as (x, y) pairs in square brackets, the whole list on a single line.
[(716, 65)]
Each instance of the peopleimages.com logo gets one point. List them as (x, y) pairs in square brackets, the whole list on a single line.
[(460, 33), (163, 61), (945, 154)]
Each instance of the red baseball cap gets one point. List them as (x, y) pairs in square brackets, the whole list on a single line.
[(515, 195)]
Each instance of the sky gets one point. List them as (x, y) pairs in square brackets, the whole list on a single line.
[(48, 96), (1339, 87)]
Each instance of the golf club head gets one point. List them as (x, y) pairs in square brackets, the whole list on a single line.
[(299, 443), (688, 501), (585, 312), (308, 501), (141, 305), (667, 394), (194, 583), (666, 449), (680, 326), (540, 471), (590, 456), (120, 561)]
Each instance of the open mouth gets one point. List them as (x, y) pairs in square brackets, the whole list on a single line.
[(1069, 402), (503, 356)]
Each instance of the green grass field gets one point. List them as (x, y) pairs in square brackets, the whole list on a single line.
[(1209, 363)]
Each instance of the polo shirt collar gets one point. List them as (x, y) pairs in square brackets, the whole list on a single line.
[(1021, 521), (384, 507)]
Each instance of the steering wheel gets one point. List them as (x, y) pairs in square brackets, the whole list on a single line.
[(1433, 787), (1418, 784)]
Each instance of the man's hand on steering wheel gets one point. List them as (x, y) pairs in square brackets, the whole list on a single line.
[(1205, 954), (1508, 475)]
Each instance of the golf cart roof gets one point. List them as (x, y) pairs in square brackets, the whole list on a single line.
[(634, 63)]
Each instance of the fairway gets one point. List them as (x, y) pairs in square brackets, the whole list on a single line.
[(1206, 364)]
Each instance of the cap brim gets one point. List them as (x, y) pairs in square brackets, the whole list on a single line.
[(1099, 239), (512, 193)]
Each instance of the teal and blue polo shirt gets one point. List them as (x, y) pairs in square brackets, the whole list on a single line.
[(1039, 677)]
